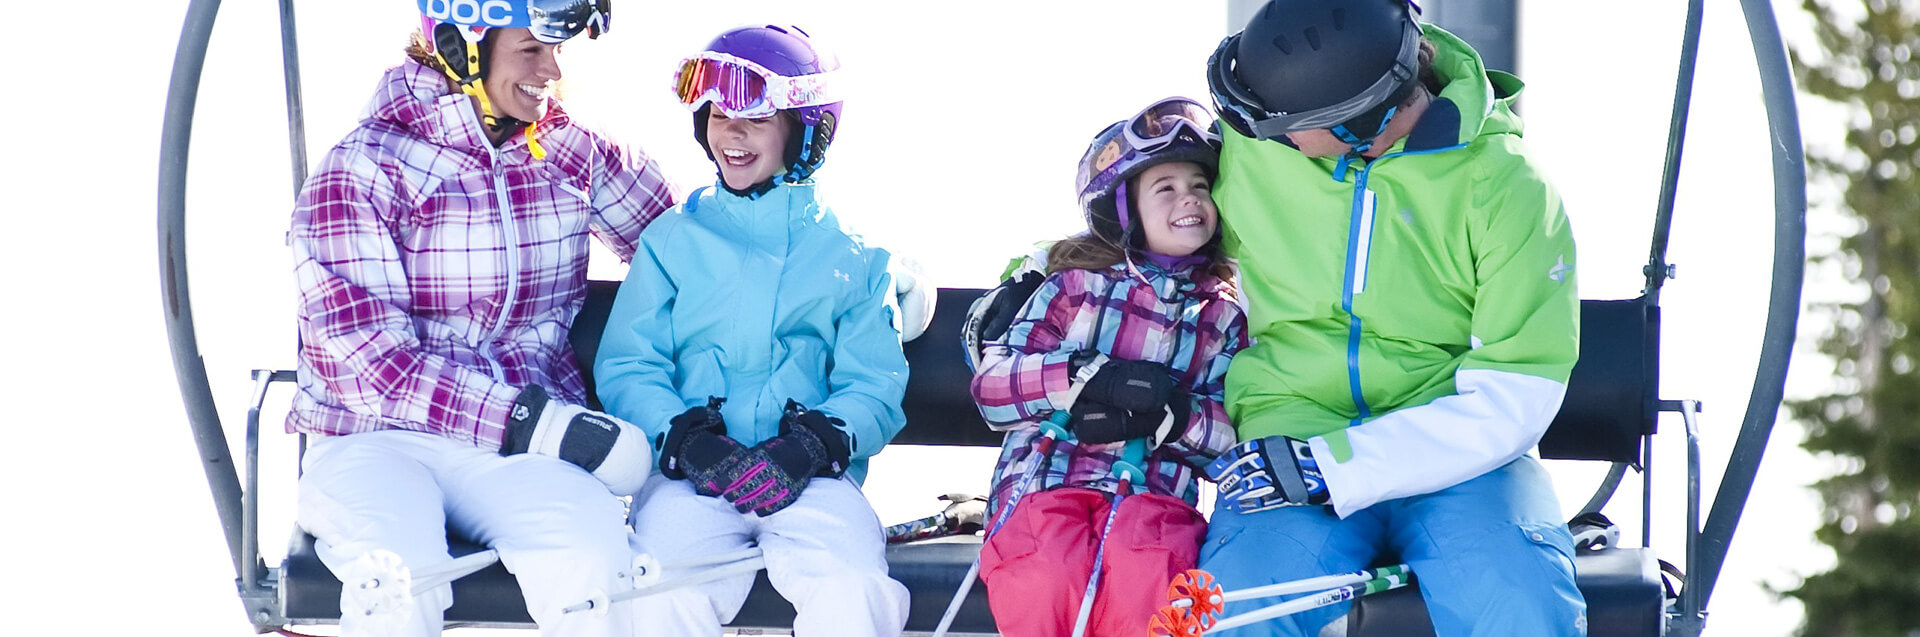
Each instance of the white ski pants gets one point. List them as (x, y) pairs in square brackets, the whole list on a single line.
[(555, 526), (825, 554)]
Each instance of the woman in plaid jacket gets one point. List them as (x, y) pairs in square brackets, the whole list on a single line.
[(441, 252), (1130, 335)]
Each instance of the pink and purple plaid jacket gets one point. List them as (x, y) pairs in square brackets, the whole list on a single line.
[(1187, 321), (439, 275)]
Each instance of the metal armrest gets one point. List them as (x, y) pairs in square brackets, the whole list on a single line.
[(259, 584)]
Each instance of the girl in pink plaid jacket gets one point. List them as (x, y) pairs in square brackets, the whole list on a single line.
[(1129, 338)]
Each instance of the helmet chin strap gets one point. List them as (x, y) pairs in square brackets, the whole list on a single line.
[(1358, 146), (474, 86)]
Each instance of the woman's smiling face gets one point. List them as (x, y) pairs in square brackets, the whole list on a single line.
[(521, 72)]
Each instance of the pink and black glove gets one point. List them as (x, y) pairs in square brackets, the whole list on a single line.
[(770, 476)]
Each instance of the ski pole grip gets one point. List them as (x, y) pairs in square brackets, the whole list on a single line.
[(1055, 426)]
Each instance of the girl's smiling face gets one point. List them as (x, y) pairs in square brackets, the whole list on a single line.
[(748, 151), (1175, 202)]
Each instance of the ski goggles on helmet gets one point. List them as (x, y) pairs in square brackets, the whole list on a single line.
[(1249, 115), (742, 88), (555, 21), (549, 21), (1160, 124)]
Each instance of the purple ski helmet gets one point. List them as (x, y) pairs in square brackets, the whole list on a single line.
[(1170, 130), (788, 54)]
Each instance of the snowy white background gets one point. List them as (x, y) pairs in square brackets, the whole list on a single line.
[(959, 151)]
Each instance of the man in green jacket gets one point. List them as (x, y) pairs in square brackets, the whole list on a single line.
[(1409, 279)]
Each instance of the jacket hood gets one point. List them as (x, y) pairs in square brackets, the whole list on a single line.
[(1473, 101), (418, 100)]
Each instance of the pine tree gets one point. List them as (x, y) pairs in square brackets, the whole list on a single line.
[(1868, 60)]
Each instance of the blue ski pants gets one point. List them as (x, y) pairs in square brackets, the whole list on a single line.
[(1491, 555)]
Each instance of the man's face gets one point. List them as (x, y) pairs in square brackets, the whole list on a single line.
[(1318, 142)]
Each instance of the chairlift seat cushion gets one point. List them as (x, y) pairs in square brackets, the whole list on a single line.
[(1622, 587), (491, 597)]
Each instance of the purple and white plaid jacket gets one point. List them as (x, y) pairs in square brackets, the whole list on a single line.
[(1187, 321), (439, 275)]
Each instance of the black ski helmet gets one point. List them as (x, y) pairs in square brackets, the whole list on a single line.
[(1342, 65)]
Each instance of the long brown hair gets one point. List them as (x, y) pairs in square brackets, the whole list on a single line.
[(1085, 251), (420, 51)]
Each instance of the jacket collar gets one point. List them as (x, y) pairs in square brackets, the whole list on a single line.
[(1191, 281), (797, 202), (1473, 100), (418, 99)]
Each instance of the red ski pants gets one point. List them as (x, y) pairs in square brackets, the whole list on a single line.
[(1036, 567)]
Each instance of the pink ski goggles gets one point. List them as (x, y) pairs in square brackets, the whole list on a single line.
[(1158, 125), (743, 88)]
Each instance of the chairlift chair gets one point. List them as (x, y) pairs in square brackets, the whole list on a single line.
[(1609, 413)]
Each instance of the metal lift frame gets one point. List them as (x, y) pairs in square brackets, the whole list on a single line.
[(1707, 544)]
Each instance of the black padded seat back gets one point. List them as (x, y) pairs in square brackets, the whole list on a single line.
[(587, 328), (939, 405), (1608, 408), (1610, 402)]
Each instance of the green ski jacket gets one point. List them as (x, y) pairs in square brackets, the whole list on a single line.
[(1414, 317)]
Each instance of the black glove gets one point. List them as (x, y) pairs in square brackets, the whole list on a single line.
[(696, 440), (1098, 424), (1006, 305), (991, 315), (835, 446), (1130, 385)]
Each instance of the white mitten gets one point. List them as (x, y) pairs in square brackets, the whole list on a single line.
[(916, 299), (611, 449)]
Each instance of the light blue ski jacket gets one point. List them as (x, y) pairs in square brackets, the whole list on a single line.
[(757, 301)]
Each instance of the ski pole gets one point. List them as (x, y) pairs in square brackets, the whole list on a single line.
[(649, 576), (964, 514), (1288, 588), (447, 572), (393, 583), (427, 579), (1051, 431), (928, 527), (1196, 599), (1132, 478)]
